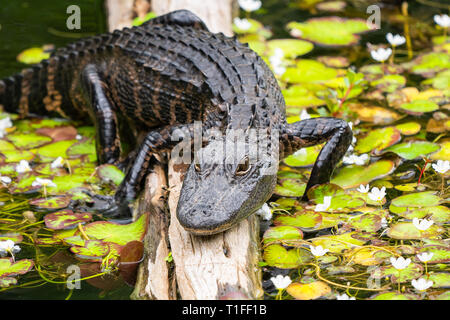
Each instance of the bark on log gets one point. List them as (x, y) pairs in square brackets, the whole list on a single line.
[(120, 13)]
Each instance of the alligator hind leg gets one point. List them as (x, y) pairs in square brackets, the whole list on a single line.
[(102, 113), (311, 132)]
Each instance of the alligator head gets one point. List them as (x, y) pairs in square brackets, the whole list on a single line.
[(222, 188)]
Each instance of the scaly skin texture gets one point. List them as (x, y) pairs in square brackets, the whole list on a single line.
[(150, 81)]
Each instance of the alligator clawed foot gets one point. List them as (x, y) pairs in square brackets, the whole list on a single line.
[(108, 206)]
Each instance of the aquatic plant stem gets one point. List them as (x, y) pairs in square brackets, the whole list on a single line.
[(80, 227), (344, 286), (422, 171), (406, 29)]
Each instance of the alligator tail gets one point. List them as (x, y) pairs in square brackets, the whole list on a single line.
[(24, 92)]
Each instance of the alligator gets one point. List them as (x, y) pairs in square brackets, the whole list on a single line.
[(143, 84)]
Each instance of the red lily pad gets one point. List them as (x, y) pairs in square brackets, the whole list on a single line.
[(130, 257), (65, 219), (10, 268), (54, 203)]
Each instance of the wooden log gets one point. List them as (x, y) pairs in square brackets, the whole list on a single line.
[(208, 267), (216, 14), (120, 13)]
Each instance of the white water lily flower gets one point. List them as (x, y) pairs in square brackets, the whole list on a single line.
[(355, 159), (381, 54), (78, 137), (8, 246), (400, 263), (425, 256), (363, 189), (377, 194), (344, 297), (422, 284), (422, 224), (4, 124), (396, 40), (443, 20), (384, 222), (441, 166), (325, 205), (318, 251), (23, 166), (304, 115), (279, 70), (264, 212), (242, 24), (250, 5), (58, 163), (5, 180), (281, 282), (43, 183)]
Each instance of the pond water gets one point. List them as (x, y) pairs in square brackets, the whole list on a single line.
[(26, 24)]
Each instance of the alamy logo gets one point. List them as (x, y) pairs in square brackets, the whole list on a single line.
[(74, 20)]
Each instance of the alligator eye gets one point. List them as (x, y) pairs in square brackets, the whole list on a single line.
[(243, 167), (197, 167)]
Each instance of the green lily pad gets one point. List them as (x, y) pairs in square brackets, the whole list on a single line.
[(5, 282), (33, 55), (338, 243), (292, 48), (28, 140), (340, 201), (417, 200), (16, 237), (377, 140), (117, 233), (443, 153), (254, 27), (430, 63), (365, 222), (353, 176), (413, 149), (439, 214), (440, 81), (412, 271), (406, 230), (10, 268), (302, 219), (6, 146), (408, 128), (91, 248), (84, 147), (303, 158), (290, 188), (76, 240), (440, 279), (300, 96), (419, 107), (309, 71), (277, 256), (16, 155), (389, 83), (54, 203), (282, 233), (441, 254), (393, 296), (109, 173), (65, 219), (329, 31), (54, 150)]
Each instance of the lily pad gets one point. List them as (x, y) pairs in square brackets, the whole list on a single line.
[(338, 243), (377, 140), (302, 219), (408, 128), (91, 248), (33, 55), (329, 31), (309, 71), (417, 200), (372, 113), (28, 140), (277, 256), (10, 268), (412, 271), (308, 291), (54, 203), (406, 230), (303, 158), (292, 48), (441, 254), (110, 173), (300, 96), (65, 219), (393, 296), (413, 149), (419, 107), (282, 233), (430, 63), (440, 279), (353, 176), (290, 188), (117, 233)]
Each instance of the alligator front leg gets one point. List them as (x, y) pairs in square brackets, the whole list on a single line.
[(157, 141), (102, 113), (314, 131)]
